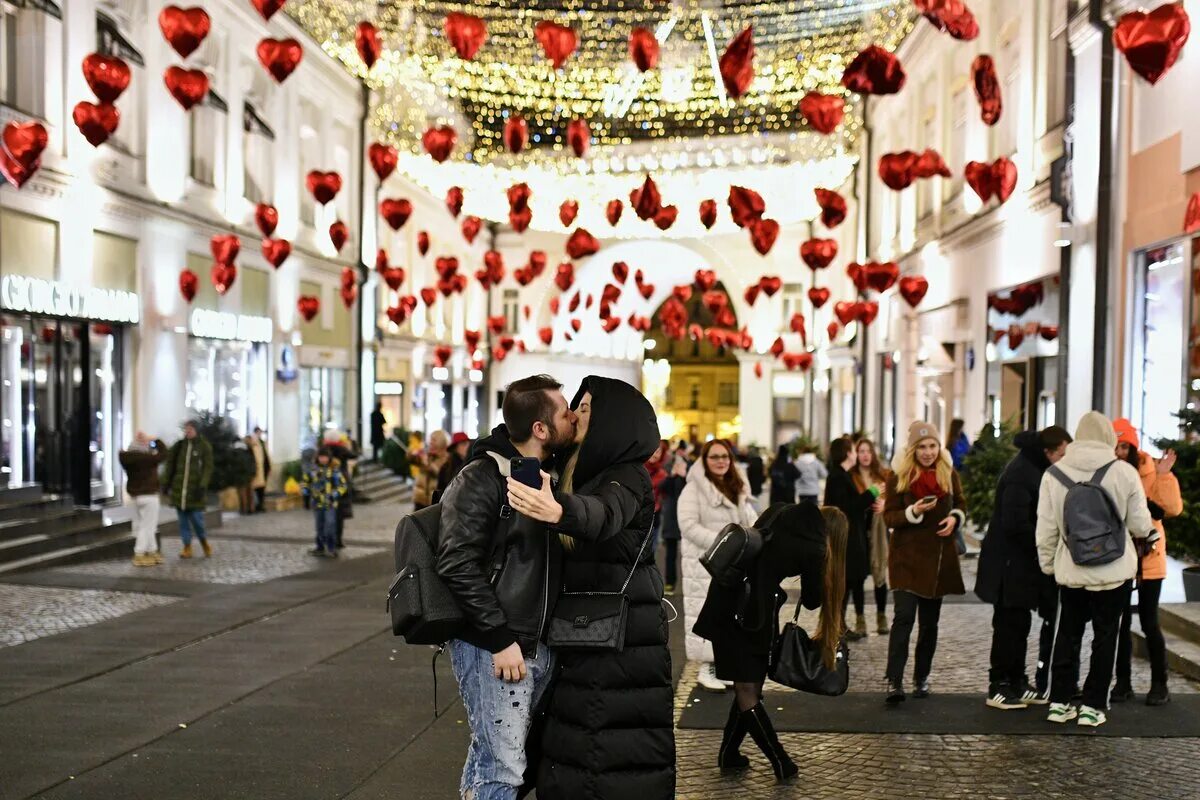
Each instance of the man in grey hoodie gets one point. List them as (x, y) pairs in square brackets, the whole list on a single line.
[(812, 471)]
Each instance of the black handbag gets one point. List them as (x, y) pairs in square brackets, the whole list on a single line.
[(796, 662), (592, 622)]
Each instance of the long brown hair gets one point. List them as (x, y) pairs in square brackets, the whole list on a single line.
[(829, 627), (730, 484), (877, 472)]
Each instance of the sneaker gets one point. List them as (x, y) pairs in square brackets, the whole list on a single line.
[(1062, 712), (1032, 697), (1158, 695), (1120, 693), (1091, 717), (708, 679), (143, 560), (922, 689), (1003, 698), (895, 693), (157, 556), (317, 551), (332, 554)]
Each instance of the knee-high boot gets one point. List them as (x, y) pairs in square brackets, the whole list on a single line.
[(728, 757), (758, 725)]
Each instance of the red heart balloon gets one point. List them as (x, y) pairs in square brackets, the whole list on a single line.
[(758, 370), (1151, 42), (818, 296), (439, 142), (465, 33), (832, 330), (819, 253), (381, 260), (564, 276), (366, 39), (845, 312), (609, 295), (646, 200), (470, 228), (446, 266), (108, 76), (280, 57), (620, 271), (684, 292), (225, 248), (833, 207), (576, 325), (574, 304), (987, 89), (579, 137), (95, 122), (751, 294), (446, 286), (737, 63), (428, 295), (896, 169), (665, 217), (471, 339), (267, 7), (24, 142), (349, 295), (15, 172), (823, 112), (1049, 332), (516, 134), (950, 16), (770, 284), (398, 315), (882, 277), (777, 347), (394, 277), (537, 262), (187, 86), (998, 178), (874, 71), (546, 334), (797, 324), (454, 200), (554, 303), (1191, 219), (866, 312), (338, 234), (643, 49), (913, 289), (276, 251), (567, 212), (323, 186), (518, 196), (610, 324), (223, 277), (930, 163), (858, 275), (422, 242), (384, 159), (395, 211), (493, 263), (184, 29), (715, 300), (519, 220), (460, 283), (708, 213), (647, 290), (499, 353), (1016, 335), (266, 218), (725, 317), (189, 282), (442, 354), (558, 41), (613, 211), (706, 279), (349, 276), (745, 205)]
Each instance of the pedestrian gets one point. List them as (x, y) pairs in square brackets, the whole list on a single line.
[(140, 462), (427, 464), (1009, 576), (189, 470), (616, 701), (923, 505), (502, 570), (784, 477), (810, 471), (378, 420), (715, 496), (1099, 592), (670, 490), (743, 623), (957, 443), (656, 466), (456, 457), (324, 486), (262, 468), (842, 493), (683, 453), (869, 472), (1165, 502), (755, 475)]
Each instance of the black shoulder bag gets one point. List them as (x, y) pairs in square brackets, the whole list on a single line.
[(796, 662), (592, 622)]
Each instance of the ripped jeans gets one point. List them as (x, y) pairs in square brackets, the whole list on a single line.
[(500, 714)]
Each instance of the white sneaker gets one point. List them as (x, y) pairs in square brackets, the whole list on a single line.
[(1062, 712), (708, 679), (1091, 717)]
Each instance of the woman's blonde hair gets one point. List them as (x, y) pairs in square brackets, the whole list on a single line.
[(829, 627), (567, 484), (907, 468)]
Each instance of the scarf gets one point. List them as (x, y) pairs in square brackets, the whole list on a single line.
[(927, 484)]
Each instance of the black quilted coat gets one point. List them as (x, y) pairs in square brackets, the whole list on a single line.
[(608, 731)]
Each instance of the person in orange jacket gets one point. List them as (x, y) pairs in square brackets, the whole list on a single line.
[(1162, 493)]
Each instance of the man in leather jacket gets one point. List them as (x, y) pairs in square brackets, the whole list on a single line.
[(504, 571)]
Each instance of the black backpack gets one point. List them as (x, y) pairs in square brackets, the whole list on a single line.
[(730, 556), (423, 610), (1095, 530)]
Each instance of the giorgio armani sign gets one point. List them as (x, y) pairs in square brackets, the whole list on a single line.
[(58, 299)]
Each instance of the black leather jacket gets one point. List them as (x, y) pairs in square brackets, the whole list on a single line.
[(505, 572)]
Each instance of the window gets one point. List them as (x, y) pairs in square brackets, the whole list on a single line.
[(8, 53), (727, 394), (1056, 66), (960, 105), (111, 42), (310, 159), (694, 396), (1008, 67), (207, 127), (22, 56), (511, 304), (926, 187), (259, 168), (345, 139), (793, 302)]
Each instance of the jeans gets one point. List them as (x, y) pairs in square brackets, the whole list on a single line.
[(1074, 608), (1147, 608), (189, 521), (908, 607), (326, 519), (671, 556), (145, 523), (499, 714)]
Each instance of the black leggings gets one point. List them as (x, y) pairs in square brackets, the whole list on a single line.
[(908, 608), (1147, 608), (881, 593), (860, 599)]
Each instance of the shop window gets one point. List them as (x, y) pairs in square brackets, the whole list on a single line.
[(111, 41), (1164, 313), (207, 128), (257, 152), (1022, 354), (229, 378)]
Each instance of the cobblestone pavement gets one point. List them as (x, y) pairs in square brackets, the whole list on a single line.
[(30, 612)]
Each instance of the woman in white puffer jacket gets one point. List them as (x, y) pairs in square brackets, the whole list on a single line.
[(716, 494)]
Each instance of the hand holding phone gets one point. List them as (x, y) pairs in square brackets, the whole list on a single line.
[(526, 470), (926, 503)]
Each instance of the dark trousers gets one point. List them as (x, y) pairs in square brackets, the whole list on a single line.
[(1075, 606), (1147, 608), (260, 496), (881, 593), (671, 557), (855, 589), (1010, 640), (910, 608)]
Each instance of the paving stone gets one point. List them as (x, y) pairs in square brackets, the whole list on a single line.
[(31, 612)]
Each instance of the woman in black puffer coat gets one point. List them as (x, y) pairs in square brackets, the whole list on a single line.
[(609, 728)]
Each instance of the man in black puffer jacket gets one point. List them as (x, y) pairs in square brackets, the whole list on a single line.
[(505, 575), (1010, 578)]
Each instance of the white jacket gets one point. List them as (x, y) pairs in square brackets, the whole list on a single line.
[(703, 511), (1082, 460)]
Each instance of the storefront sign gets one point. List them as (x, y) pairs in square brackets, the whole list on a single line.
[(388, 388), (317, 356), (221, 325), (57, 299)]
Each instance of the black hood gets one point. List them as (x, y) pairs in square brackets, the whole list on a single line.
[(623, 427), (795, 535), (495, 442), (1030, 445)]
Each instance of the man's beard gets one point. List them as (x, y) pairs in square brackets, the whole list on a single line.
[(561, 441)]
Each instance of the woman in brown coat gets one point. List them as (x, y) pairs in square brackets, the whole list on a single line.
[(923, 507)]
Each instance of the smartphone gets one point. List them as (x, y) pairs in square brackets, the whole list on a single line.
[(929, 498), (527, 470)]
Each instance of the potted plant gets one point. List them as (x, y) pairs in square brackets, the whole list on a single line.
[(233, 465), (1183, 532)]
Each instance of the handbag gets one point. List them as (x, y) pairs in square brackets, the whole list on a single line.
[(796, 662), (592, 622)]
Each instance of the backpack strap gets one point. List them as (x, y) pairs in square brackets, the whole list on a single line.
[(1098, 477), (502, 463), (1062, 478)]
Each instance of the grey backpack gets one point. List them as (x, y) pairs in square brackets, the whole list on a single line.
[(1095, 530)]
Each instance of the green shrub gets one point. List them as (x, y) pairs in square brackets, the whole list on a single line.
[(1183, 532), (395, 455), (991, 452), (233, 465), (293, 469)]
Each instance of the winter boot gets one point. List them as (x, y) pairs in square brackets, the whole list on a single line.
[(860, 626), (881, 623), (186, 552), (206, 547), (758, 725), (1158, 694), (728, 757)]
